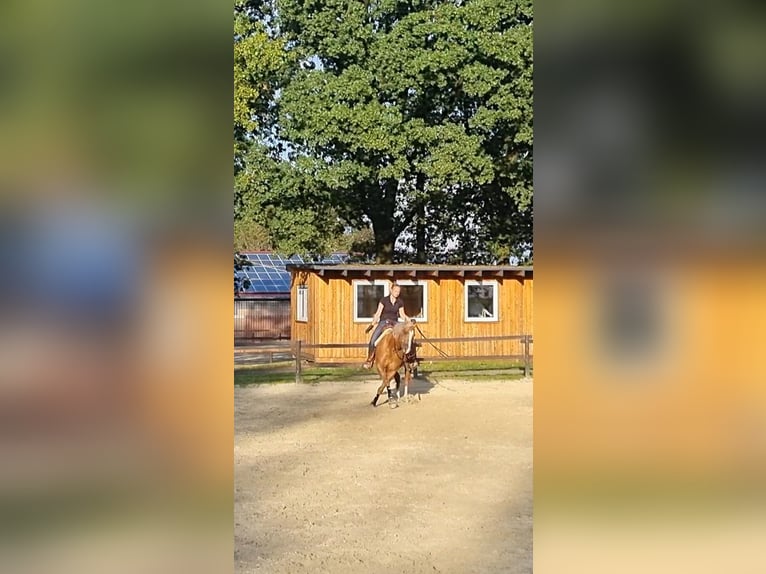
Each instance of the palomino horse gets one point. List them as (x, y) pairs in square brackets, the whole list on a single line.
[(395, 348)]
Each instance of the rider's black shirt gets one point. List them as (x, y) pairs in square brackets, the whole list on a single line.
[(391, 310)]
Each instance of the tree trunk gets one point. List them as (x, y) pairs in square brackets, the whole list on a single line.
[(420, 221), (420, 235), (384, 243), (383, 224), (385, 236)]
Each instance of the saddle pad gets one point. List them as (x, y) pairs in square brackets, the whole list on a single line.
[(385, 332)]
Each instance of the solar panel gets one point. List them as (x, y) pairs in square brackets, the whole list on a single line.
[(267, 273)]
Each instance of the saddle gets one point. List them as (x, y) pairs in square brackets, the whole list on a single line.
[(388, 329)]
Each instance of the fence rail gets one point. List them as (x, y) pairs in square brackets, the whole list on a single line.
[(296, 350)]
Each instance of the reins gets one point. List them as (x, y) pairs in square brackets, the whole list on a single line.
[(438, 350)]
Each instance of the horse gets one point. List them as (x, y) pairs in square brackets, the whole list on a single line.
[(395, 348)]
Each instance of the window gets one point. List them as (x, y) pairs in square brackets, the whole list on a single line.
[(415, 297), (481, 301), (302, 304), (631, 317), (367, 294), (366, 297)]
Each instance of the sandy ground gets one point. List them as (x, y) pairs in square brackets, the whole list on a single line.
[(326, 483)]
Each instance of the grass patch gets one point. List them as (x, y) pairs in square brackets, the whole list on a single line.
[(475, 370), (438, 366), (489, 376), (245, 376), (266, 367), (284, 372)]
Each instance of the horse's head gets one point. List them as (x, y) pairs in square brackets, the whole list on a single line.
[(404, 334)]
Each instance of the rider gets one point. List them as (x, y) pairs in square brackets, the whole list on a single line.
[(390, 309)]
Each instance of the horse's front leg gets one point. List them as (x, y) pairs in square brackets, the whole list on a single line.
[(393, 397), (379, 392), (407, 379)]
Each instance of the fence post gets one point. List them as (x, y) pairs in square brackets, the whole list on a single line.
[(297, 352), (526, 356)]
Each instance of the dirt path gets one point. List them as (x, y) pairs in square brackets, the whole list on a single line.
[(326, 483)]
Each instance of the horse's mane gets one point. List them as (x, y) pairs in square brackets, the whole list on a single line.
[(401, 329), (400, 334)]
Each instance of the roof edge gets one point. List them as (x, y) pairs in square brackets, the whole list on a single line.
[(406, 267)]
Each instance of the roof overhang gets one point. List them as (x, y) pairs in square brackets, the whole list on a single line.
[(408, 271)]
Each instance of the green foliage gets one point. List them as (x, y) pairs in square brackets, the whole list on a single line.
[(250, 236), (358, 244), (412, 119), (260, 63)]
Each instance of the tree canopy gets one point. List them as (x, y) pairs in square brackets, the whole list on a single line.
[(410, 119)]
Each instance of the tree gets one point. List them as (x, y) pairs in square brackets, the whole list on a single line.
[(259, 63), (412, 119)]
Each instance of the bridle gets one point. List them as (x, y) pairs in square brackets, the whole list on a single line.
[(403, 352)]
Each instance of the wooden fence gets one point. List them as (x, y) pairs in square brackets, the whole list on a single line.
[(296, 350), (262, 318)]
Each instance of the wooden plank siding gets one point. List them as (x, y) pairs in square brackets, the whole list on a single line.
[(672, 402), (528, 315), (300, 330), (331, 315)]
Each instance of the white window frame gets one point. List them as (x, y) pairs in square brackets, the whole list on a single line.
[(367, 282), (424, 285), (495, 301), (302, 304)]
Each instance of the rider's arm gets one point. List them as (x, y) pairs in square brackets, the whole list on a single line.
[(403, 315)]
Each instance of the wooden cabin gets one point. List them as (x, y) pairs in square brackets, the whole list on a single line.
[(333, 304), (653, 362)]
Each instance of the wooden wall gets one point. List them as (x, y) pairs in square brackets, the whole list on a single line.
[(331, 308), (300, 330), (689, 401)]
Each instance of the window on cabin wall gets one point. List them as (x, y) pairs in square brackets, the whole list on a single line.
[(632, 317), (367, 294), (415, 297), (302, 304), (481, 301)]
